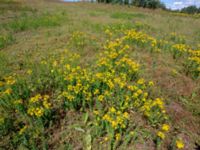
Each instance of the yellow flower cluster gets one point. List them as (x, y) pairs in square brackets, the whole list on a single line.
[(165, 128), (192, 58), (9, 80), (179, 50), (79, 82), (111, 84), (118, 75), (194, 62), (6, 92), (142, 39), (5, 86), (38, 104), (116, 118), (195, 56), (152, 105), (180, 47)]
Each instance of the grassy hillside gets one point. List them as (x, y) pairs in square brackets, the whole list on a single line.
[(96, 76)]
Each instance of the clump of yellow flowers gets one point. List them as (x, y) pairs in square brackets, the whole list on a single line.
[(179, 50), (112, 88), (5, 89), (38, 104), (165, 128), (142, 40), (193, 63)]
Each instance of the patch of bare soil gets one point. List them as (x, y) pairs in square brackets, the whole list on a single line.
[(185, 125)]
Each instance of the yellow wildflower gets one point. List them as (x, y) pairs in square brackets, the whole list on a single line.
[(117, 136), (112, 110), (22, 130), (179, 144), (165, 127), (39, 112), (161, 134), (46, 104), (114, 124), (96, 112), (96, 91), (8, 91), (151, 83), (140, 81), (100, 98), (10, 80), (126, 115)]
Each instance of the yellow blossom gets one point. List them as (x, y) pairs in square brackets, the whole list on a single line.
[(112, 110), (22, 130), (161, 134), (165, 127), (100, 98), (126, 115), (179, 144), (117, 136), (96, 112), (151, 83), (8, 91)]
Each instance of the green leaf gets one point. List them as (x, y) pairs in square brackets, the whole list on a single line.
[(85, 117), (79, 129), (88, 141)]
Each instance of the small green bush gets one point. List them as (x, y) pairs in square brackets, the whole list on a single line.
[(6, 40)]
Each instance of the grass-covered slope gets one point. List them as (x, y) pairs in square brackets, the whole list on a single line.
[(95, 76)]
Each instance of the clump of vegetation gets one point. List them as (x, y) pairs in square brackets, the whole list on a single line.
[(6, 40)]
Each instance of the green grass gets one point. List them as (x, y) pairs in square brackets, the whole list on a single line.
[(29, 21), (39, 38), (7, 5), (26, 22), (6, 40), (120, 15)]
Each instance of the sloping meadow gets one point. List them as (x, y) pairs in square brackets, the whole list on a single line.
[(108, 94)]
